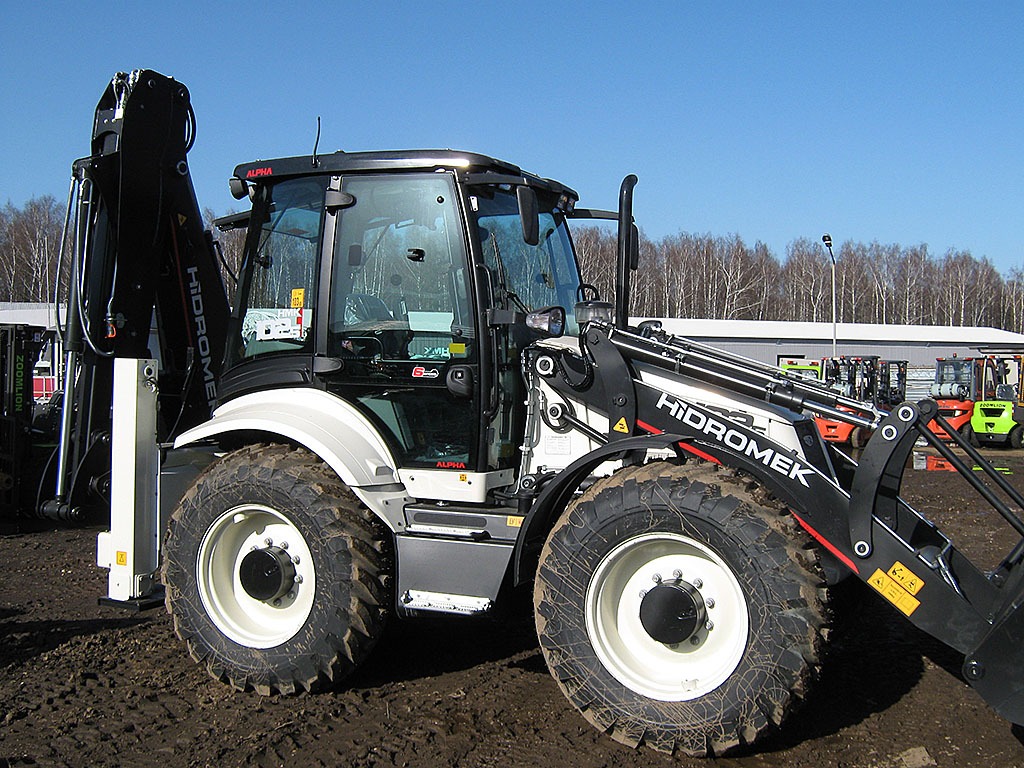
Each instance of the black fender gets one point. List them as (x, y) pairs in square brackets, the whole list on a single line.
[(558, 491)]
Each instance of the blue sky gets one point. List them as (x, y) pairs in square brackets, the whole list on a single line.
[(895, 122)]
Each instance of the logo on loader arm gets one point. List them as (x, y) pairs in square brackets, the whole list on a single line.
[(787, 466)]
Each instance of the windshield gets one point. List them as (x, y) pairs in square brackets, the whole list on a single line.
[(276, 300), (526, 277), (953, 372)]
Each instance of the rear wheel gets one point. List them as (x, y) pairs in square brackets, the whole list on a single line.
[(1017, 437), (678, 608), (275, 574)]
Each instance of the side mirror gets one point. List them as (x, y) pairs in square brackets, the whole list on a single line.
[(238, 187), (529, 214), (549, 321)]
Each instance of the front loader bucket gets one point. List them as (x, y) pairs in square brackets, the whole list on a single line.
[(995, 669), (933, 583)]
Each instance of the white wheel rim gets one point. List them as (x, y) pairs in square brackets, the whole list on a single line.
[(239, 616), (658, 671)]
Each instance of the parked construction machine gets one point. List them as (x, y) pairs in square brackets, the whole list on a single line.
[(868, 379), (1000, 420), (22, 452), (415, 405), (960, 382)]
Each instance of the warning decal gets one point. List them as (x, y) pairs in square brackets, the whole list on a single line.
[(906, 578), (893, 590), (621, 426)]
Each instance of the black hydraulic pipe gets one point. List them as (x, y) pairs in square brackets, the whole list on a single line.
[(946, 452), (818, 391), (773, 387), (626, 246)]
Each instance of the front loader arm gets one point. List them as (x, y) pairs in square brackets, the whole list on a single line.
[(862, 524)]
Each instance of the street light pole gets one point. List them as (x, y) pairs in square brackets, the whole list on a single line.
[(827, 240)]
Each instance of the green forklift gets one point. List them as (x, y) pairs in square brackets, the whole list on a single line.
[(1001, 421)]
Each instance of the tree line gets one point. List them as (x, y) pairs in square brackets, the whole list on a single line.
[(681, 275), (721, 277)]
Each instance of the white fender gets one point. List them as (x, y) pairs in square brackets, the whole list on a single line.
[(326, 425)]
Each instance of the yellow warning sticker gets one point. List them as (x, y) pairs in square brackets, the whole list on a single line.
[(121, 558), (514, 521), (457, 349), (463, 478), (621, 426), (892, 591), (298, 298), (906, 578)]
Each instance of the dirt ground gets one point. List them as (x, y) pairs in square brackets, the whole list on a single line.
[(83, 685)]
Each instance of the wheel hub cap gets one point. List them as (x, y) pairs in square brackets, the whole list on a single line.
[(672, 612), (267, 574)]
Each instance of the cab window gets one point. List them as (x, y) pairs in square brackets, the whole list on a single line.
[(277, 300)]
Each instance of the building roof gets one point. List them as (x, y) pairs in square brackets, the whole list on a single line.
[(23, 313), (976, 337)]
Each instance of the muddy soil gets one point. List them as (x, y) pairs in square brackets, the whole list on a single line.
[(83, 685)]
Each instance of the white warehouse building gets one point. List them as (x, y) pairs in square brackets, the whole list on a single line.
[(776, 341)]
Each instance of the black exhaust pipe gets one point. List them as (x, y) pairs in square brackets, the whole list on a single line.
[(628, 251)]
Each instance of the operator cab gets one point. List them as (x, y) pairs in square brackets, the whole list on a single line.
[(407, 284)]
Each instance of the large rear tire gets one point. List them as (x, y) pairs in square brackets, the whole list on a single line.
[(275, 574), (678, 607)]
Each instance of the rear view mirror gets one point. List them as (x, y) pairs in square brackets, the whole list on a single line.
[(529, 214), (238, 187), (549, 321)]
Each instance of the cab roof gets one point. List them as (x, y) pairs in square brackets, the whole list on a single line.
[(398, 161)]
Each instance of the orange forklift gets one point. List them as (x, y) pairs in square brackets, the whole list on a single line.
[(960, 382)]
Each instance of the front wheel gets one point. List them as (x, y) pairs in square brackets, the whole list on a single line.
[(967, 432), (275, 574), (676, 610)]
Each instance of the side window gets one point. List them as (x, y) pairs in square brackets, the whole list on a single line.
[(399, 289), (532, 276), (277, 303)]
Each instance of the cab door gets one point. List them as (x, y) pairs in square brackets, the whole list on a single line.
[(400, 338)]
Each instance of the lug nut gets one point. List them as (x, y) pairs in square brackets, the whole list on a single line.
[(710, 602), (698, 583), (694, 640), (709, 625), (656, 578), (284, 545), (268, 541), (295, 559), (298, 578), (677, 574)]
